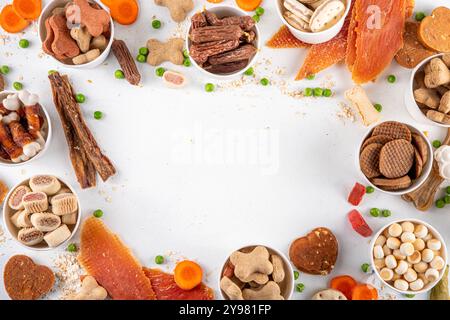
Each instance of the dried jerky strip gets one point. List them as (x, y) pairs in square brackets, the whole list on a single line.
[(198, 20), (245, 22), (84, 169), (245, 52), (3, 154), (248, 37), (201, 52), (64, 91), (126, 62), (227, 67), (216, 33), (2, 83)]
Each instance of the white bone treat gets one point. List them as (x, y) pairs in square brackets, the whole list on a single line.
[(90, 290), (13, 116), (27, 98), (50, 185), (15, 200), (11, 102), (35, 202), (57, 236), (30, 236), (64, 203), (296, 22), (31, 149), (174, 80), (45, 222), (361, 102), (442, 156), (298, 9), (329, 294), (70, 218), (326, 15)]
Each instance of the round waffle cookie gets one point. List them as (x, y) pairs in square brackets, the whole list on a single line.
[(418, 164), (381, 139), (421, 146), (393, 129), (396, 158), (369, 160), (392, 184)]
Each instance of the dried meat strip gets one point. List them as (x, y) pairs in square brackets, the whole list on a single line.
[(202, 51), (126, 62), (216, 33), (284, 39), (2, 83), (198, 20), (246, 52), (226, 67), (245, 22)]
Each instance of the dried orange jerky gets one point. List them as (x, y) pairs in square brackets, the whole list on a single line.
[(3, 191), (284, 39)]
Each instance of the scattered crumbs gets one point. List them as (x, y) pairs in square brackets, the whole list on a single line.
[(426, 133), (345, 112), (4, 39), (388, 296), (23, 172), (180, 30), (90, 81), (20, 78), (68, 274)]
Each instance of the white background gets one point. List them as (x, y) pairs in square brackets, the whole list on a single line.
[(160, 203)]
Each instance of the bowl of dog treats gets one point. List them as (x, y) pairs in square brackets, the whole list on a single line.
[(409, 256), (427, 98), (313, 21), (25, 128), (223, 41), (76, 33), (42, 213), (395, 158), (256, 272)]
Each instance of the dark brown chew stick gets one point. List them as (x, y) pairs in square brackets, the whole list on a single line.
[(198, 21), (227, 67), (64, 92), (245, 22), (126, 62), (84, 169), (202, 51), (2, 83), (246, 52), (216, 33)]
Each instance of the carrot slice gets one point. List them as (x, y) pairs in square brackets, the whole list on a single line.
[(248, 5), (28, 9), (124, 11), (344, 284), (188, 275), (364, 292), (10, 21), (107, 2)]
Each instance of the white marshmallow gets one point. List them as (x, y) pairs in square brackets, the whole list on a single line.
[(431, 275), (386, 274), (393, 243), (407, 226), (420, 231), (420, 267), (13, 116), (406, 249), (419, 244), (27, 98), (390, 262), (437, 263), (402, 267), (398, 255), (386, 250), (427, 255), (434, 244), (31, 149), (378, 252), (11, 102), (416, 257), (381, 240), (408, 237), (395, 230), (416, 285), (401, 284), (410, 275)]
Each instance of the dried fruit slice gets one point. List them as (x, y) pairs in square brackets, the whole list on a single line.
[(285, 39), (359, 224), (356, 195)]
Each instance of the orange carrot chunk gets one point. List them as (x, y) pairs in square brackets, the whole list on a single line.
[(10, 21), (107, 2), (28, 9), (124, 11), (364, 292), (188, 275), (248, 5), (344, 284)]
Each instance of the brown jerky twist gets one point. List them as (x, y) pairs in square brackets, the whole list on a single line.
[(198, 20), (202, 51), (246, 23), (227, 67), (245, 52), (126, 62), (215, 33)]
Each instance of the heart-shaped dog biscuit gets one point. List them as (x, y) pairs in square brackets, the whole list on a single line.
[(316, 253), (434, 31), (25, 280)]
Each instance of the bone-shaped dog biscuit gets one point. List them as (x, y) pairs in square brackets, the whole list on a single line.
[(63, 45), (96, 20), (178, 8), (160, 52), (90, 290), (254, 262), (270, 291)]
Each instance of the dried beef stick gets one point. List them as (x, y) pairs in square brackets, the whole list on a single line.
[(245, 22), (83, 167), (2, 83), (202, 51), (126, 62), (198, 20), (216, 33), (246, 52), (227, 67)]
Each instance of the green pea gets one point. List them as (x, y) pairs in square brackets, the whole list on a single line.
[(440, 203), (18, 86), (50, 72), (160, 71), (437, 143), (187, 62), (159, 259), (327, 93), (391, 78), (24, 43), (311, 76), (409, 295), (317, 92), (119, 74), (72, 247), (260, 11), (420, 16), (209, 87), (370, 189), (185, 53), (4, 69), (447, 190), (249, 72), (98, 213), (386, 213), (300, 287), (80, 98), (365, 267), (447, 199), (296, 275), (141, 58), (378, 107), (308, 92), (256, 18), (264, 81), (156, 24), (375, 212), (98, 115), (143, 51)]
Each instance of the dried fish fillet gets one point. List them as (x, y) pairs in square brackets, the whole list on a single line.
[(284, 39)]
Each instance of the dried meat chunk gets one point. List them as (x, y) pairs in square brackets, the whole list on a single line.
[(110, 262), (166, 289), (284, 39)]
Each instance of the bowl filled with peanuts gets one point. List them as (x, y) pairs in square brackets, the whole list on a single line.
[(409, 256)]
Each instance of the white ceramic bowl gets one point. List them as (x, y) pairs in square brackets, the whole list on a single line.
[(226, 11), (314, 37), (47, 127), (410, 102), (416, 183), (436, 235), (46, 12), (287, 286), (13, 231)]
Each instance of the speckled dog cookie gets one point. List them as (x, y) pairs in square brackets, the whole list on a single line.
[(369, 160), (392, 184), (393, 129), (381, 139), (396, 158)]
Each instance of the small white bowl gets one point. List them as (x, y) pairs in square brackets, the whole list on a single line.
[(47, 128), (226, 11), (47, 11), (13, 231), (410, 102), (314, 37), (416, 183), (287, 286), (436, 235)]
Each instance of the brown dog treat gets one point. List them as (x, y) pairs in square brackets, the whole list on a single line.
[(178, 8), (316, 253), (49, 38), (126, 61), (393, 129), (95, 20), (25, 280), (215, 33), (369, 160), (434, 31), (413, 51), (376, 139), (396, 158), (392, 184), (437, 116), (421, 146), (245, 22), (418, 164), (245, 52), (226, 68), (198, 20), (2, 85), (200, 52), (63, 45), (160, 52), (3, 191)]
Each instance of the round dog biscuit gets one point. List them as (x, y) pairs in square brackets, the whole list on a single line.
[(421, 146), (418, 164), (369, 160), (396, 158), (381, 139), (329, 294), (393, 129), (392, 184)]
